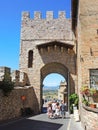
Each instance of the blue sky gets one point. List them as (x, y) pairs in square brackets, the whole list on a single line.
[(10, 23), (53, 80)]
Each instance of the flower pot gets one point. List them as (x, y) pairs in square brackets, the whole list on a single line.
[(93, 105)]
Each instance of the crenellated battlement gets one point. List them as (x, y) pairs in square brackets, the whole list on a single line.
[(19, 78), (49, 15), (25, 15), (37, 15), (45, 28)]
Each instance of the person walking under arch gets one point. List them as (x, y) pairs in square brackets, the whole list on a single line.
[(57, 111), (63, 109), (49, 111), (53, 106)]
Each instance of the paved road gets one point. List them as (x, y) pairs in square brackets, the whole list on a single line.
[(41, 122)]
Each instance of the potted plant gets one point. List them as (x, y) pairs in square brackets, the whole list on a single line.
[(93, 91), (88, 92), (92, 105), (85, 90), (74, 99)]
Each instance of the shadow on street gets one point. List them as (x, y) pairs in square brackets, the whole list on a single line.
[(27, 124)]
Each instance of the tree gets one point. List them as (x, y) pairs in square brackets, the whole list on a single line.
[(6, 86)]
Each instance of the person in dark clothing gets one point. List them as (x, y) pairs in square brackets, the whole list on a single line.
[(63, 109)]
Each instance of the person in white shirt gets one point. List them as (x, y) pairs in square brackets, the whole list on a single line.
[(57, 111), (53, 106)]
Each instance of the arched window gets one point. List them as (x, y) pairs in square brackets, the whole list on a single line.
[(30, 59)]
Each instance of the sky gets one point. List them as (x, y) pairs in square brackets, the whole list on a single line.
[(53, 80), (10, 24)]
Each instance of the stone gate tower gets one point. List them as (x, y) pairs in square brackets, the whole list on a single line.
[(47, 46)]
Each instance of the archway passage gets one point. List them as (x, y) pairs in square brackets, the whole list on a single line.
[(55, 67), (51, 91)]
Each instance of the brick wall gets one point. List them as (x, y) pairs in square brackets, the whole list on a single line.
[(87, 39), (89, 119), (87, 53)]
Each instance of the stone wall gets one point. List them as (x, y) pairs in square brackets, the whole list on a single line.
[(11, 106), (45, 28), (19, 78), (87, 39), (89, 119), (5, 73)]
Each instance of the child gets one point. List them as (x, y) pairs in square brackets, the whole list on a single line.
[(49, 111)]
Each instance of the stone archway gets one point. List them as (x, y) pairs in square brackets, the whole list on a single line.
[(54, 67)]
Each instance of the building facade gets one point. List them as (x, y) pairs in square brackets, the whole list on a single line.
[(85, 28), (62, 92)]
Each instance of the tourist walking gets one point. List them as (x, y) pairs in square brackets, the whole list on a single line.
[(63, 109), (49, 110), (53, 106), (57, 111)]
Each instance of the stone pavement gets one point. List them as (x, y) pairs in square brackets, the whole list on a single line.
[(75, 125), (42, 122)]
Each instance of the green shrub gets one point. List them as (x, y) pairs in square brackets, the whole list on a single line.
[(6, 86), (74, 99)]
